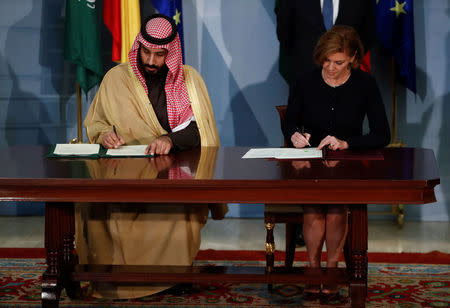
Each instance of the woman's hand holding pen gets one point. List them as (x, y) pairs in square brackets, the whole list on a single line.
[(333, 143), (112, 140), (300, 140)]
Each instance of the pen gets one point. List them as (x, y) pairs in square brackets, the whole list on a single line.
[(302, 132), (115, 131)]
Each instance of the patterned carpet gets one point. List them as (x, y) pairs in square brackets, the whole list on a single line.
[(390, 285)]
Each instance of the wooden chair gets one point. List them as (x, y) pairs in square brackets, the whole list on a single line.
[(289, 214)]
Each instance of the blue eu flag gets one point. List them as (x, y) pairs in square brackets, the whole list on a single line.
[(172, 8), (395, 29)]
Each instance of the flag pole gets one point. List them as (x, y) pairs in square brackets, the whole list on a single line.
[(394, 143), (394, 103), (79, 139), (79, 115), (396, 209)]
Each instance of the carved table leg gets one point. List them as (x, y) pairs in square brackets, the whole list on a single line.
[(73, 288), (270, 250), (51, 280), (59, 235), (51, 286), (356, 254)]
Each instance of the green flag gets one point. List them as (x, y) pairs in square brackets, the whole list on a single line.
[(82, 41)]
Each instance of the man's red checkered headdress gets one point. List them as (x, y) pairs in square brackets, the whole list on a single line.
[(159, 31)]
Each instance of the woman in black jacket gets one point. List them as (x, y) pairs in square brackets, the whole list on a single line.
[(327, 108)]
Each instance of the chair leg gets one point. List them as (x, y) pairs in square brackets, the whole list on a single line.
[(347, 245), (270, 250), (291, 231)]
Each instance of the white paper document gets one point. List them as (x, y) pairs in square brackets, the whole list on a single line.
[(284, 153), (291, 153), (262, 153), (76, 149), (128, 150)]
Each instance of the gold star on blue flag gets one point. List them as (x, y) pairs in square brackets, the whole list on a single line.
[(395, 29), (172, 8)]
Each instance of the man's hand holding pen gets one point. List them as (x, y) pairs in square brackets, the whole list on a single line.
[(112, 140)]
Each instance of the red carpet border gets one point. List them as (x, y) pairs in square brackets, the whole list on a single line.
[(433, 257), (390, 285)]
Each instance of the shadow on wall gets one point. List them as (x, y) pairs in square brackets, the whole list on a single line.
[(443, 161), (413, 134), (15, 136), (248, 131), (253, 48), (444, 134), (432, 130), (238, 61), (27, 114), (58, 75), (252, 107)]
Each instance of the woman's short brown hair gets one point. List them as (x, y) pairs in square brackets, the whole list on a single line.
[(339, 39)]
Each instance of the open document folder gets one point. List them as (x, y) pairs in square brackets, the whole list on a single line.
[(284, 153), (96, 151)]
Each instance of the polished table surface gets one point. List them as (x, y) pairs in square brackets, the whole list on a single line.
[(212, 175), (403, 175)]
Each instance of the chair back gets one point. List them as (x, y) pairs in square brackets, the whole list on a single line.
[(282, 113)]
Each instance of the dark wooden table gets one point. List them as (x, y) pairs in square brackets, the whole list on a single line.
[(218, 175)]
